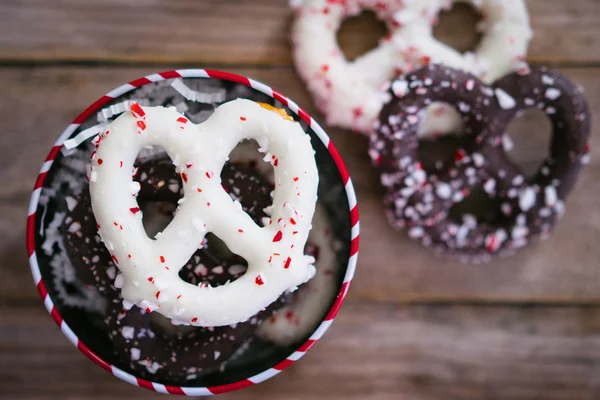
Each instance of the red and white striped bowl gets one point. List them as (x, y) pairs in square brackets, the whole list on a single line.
[(33, 228)]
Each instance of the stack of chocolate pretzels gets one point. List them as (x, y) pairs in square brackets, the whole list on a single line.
[(412, 86)]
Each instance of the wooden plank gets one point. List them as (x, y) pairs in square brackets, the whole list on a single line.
[(40, 102), (238, 32), (373, 350)]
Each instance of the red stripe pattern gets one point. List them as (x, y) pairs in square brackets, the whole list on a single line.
[(198, 391)]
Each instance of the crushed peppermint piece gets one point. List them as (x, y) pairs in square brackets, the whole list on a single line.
[(527, 199), (505, 100)]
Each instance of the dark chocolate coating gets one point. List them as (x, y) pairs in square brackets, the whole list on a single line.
[(183, 352), (421, 201)]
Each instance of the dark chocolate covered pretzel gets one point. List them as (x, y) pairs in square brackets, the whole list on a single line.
[(157, 350), (421, 201)]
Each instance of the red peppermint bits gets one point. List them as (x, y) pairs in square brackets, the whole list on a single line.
[(242, 118), (210, 174), (287, 263), (292, 221), (137, 111), (324, 68), (151, 279), (459, 155), (100, 161), (296, 179), (194, 320), (162, 259), (128, 255), (135, 210), (259, 280), (178, 297), (277, 236), (189, 165), (181, 121), (120, 164), (115, 259), (157, 294), (240, 230), (141, 126), (199, 190), (184, 177)]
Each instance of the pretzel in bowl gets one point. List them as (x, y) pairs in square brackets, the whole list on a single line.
[(421, 200), (349, 92), (276, 262)]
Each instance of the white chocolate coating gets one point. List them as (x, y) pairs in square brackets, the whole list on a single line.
[(274, 253), (349, 93)]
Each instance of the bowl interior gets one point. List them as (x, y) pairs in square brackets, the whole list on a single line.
[(64, 180)]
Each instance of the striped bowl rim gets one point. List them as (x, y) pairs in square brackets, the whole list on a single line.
[(193, 390)]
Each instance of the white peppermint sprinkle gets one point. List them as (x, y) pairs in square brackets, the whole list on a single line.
[(111, 272), (507, 142), (127, 332), (470, 84), (529, 102), (400, 87), (547, 80), (443, 190), (545, 212), (518, 180), (75, 227), (419, 175), (127, 304), (135, 353), (464, 107), (527, 199), (585, 159), (506, 208), (236, 269), (512, 193), (405, 162), (119, 281), (478, 159), (552, 93), (416, 232), (550, 196), (218, 270), (504, 99), (71, 203), (217, 355), (519, 232), (550, 110), (489, 186), (201, 270)]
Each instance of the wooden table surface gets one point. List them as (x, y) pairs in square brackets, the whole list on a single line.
[(415, 326)]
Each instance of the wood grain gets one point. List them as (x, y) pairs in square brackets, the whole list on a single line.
[(379, 351), (42, 101), (234, 32)]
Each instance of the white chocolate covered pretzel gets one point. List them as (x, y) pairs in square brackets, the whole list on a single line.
[(349, 92), (149, 267)]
